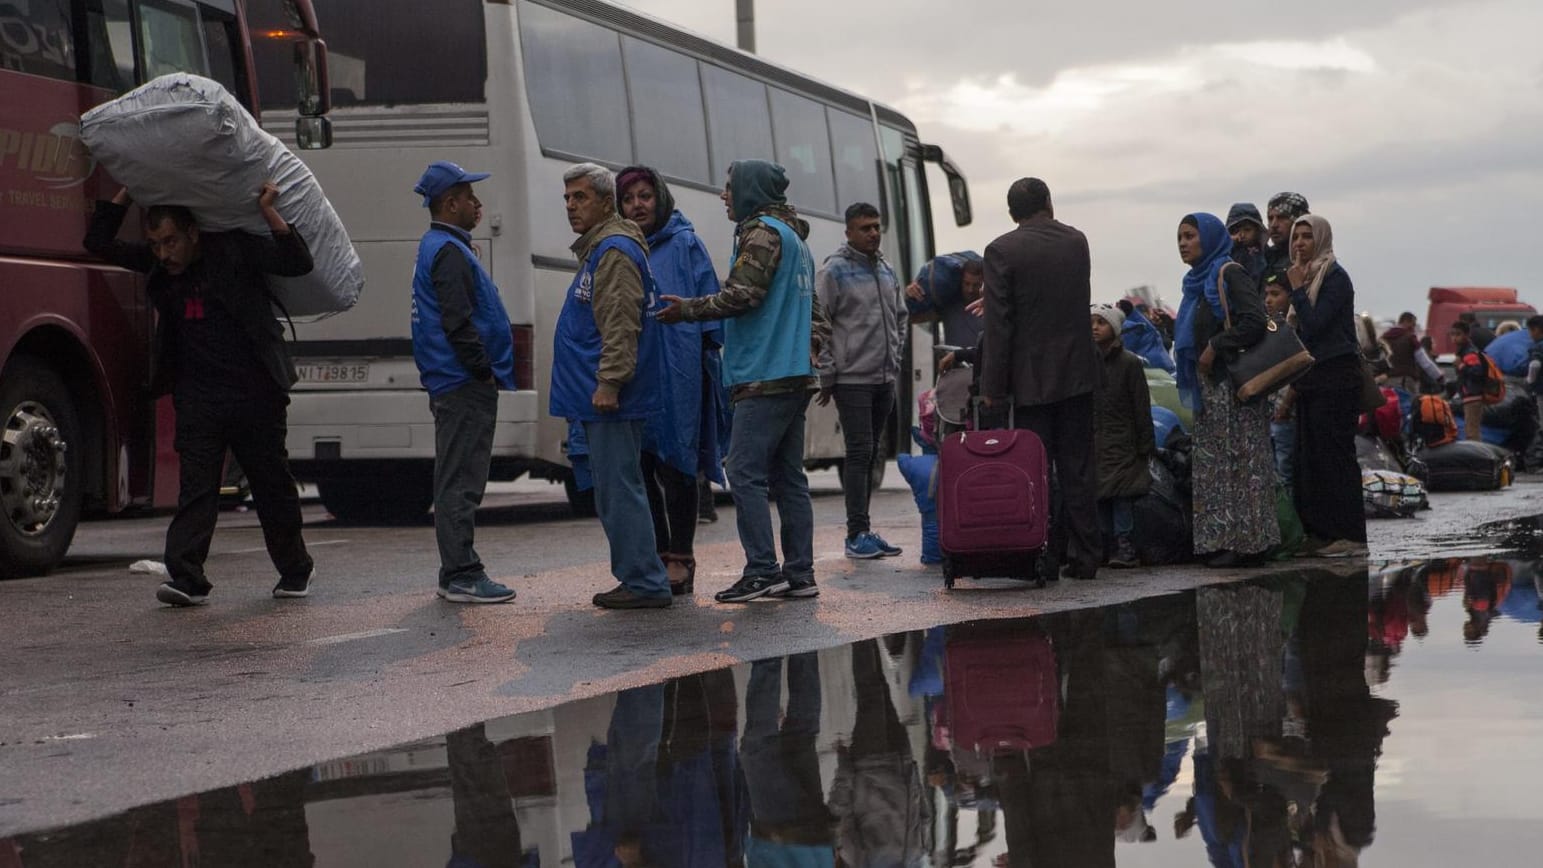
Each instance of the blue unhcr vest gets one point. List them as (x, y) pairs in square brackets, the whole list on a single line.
[(438, 367), (771, 342), (576, 346)]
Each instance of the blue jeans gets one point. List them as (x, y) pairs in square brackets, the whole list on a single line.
[(1284, 436), (766, 463), (1117, 514), (615, 462), (782, 766)]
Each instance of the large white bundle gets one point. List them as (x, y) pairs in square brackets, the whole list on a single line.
[(184, 140)]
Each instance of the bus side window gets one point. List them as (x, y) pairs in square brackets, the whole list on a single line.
[(856, 158), (220, 45), (667, 120), (738, 122), (573, 74), (170, 38), (109, 59), (38, 39), (803, 148)]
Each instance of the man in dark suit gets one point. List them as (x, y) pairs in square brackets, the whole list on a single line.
[(1037, 359), (220, 353)]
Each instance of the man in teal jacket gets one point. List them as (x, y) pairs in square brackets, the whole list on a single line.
[(773, 330)]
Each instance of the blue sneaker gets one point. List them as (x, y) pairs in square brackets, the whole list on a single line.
[(864, 547), (483, 590), (884, 546)]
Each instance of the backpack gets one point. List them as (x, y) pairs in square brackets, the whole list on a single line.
[(1494, 381), (1432, 420)]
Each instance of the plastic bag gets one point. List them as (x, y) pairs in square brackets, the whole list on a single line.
[(184, 140)]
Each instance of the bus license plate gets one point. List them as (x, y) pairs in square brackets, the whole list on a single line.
[(326, 373)]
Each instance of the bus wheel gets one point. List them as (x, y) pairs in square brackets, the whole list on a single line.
[(41, 485), (581, 502), (395, 498)]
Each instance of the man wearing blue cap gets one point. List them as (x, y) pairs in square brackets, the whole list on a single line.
[(465, 354)]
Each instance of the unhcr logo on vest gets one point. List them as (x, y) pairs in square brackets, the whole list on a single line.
[(586, 288)]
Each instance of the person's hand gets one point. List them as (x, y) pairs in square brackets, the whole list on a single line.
[(826, 394), (947, 362), (605, 399), (1297, 273), (976, 307), (267, 196), (1207, 358), (672, 312), (122, 197), (1282, 411), (914, 292), (987, 401)]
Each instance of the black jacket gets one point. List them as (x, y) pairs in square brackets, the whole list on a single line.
[(1122, 425), (1328, 328), (1036, 350), (235, 264), (1245, 304)]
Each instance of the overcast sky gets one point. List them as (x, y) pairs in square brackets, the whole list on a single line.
[(1414, 126)]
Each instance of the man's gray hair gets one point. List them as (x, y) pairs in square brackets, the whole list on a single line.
[(601, 179)]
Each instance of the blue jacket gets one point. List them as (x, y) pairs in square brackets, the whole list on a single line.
[(439, 368), (772, 342), (577, 342), (686, 434), (1142, 338)]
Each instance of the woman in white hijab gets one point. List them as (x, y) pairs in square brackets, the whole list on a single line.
[(1328, 478)]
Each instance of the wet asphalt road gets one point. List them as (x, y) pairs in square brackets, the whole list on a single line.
[(108, 699)]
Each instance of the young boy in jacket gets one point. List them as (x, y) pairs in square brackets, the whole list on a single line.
[(1122, 434)]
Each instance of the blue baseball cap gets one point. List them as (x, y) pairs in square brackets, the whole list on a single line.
[(443, 175)]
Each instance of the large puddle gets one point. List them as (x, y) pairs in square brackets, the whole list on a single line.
[(1391, 718)]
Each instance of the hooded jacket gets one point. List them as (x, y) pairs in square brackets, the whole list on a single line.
[(866, 306), (1122, 423), (757, 192), (685, 434)]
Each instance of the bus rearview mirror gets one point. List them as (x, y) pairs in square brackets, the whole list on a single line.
[(311, 79), (313, 134)]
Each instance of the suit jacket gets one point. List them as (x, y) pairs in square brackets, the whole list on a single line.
[(235, 264), (1037, 349)]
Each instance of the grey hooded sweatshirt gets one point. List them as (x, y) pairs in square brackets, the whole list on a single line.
[(865, 303)]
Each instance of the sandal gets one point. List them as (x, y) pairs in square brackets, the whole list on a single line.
[(682, 573)]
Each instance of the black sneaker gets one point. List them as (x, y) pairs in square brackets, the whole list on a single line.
[(621, 597), (798, 588), (1124, 556), (753, 587), (293, 588), (182, 595)]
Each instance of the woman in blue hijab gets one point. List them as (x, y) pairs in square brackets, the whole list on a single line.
[(1234, 462)]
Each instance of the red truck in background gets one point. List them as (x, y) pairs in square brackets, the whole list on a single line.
[(1490, 305)]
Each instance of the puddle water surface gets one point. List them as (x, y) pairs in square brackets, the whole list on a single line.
[(1306, 718)]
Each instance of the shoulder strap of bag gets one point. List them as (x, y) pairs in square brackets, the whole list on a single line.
[(1221, 290)]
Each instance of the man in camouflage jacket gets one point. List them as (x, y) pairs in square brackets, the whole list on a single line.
[(774, 329)]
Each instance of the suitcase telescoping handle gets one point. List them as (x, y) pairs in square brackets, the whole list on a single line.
[(975, 404)]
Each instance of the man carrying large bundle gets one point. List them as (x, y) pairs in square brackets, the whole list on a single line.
[(220, 353)]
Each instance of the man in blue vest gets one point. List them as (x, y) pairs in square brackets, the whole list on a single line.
[(465, 354), (773, 330), (608, 375)]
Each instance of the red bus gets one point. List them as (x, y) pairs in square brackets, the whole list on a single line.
[(78, 431)]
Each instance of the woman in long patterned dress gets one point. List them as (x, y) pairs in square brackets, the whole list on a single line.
[(1233, 462)]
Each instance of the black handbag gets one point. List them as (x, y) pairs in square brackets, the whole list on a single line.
[(1277, 361)]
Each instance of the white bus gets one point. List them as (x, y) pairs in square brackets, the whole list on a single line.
[(523, 89)]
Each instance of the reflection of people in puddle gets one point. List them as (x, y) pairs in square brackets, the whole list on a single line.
[(1486, 583), (632, 774), (1059, 801), (487, 834), (1345, 722), (790, 824), (703, 804), (877, 798)]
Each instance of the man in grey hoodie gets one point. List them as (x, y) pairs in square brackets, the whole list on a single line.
[(859, 366)]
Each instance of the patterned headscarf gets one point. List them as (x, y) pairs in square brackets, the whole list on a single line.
[(1293, 205)]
